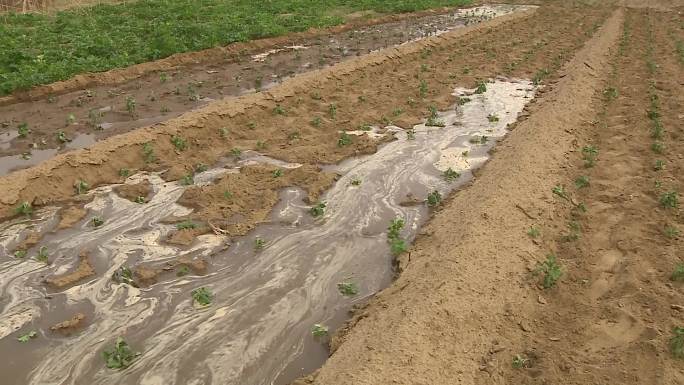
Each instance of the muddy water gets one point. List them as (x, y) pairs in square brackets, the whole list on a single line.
[(258, 328), (103, 111)]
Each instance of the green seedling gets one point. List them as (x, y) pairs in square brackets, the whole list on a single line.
[(62, 138), (124, 172), (179, 143), (423, 89), (186, 225), (319, 331), (81, 187), (410, 134), (395, 227), (223, 132), (277, 173), (659, 165), (315, 95), (260, 145), (533, 232), (677, 342), (121, 357), (461, 100), (228, 195), (123, 275), (434, 120), (182, 271), (94, 118), (148, 153), (424, 68), (582, 181), (361, 99), (130, 105), (434, 198), (520, 362), (294, 135), (657, 130), (560, 191), (657, 147), (678, 273), (669, 199), (397, 246), (492, 118), (344, 140), (42, 255), (251, 125), (348, 289), (97, 221), (259, 244), (481, 87), (539, 76), (332, 111), (202, 296), (610, 93), (23, 130), (201, 167), (397, 111), (20, 253), (27, 337), (318, 210), (355, 182), (24, 208), (71, 119), (450, 175), (316, 121), (279, 110), (236, 152), (163, 77), (671, 231), (589, 155), (140, 200), (551, 271), (365, 127), (188, 180)]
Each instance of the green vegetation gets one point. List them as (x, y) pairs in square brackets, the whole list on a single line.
[(97, 221), (348, 289), (450, 175), (187, 180), (202, 296), (669, 199), (259, 244), (657, 147), (539, 76), (182, 271), (140, 200), (677, 342), (277, 173), (23, 130), (582, 181), (27, 337), (355, 182), (589, 155), (121, 356), (423, 88), (130, 105), (481, 87), (434, 198), (659, 165), (42, 255), (551, 271), (533, 232), (186, 225), (492, 118), (520, 362), (236, 152), (279, 110), (62, 138), (123, 275), (179, 143), (671, 231), (678, 273), (148, 153), (124, 172), (81, 187), (319, 331), (318, 210), (344, 140), (434, 120), (20, 253), (24, 208), (397, 244)]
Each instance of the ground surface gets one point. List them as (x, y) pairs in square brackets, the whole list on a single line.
[(591, 174)]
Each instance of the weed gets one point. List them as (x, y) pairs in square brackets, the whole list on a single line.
[(121, 356), (179, 143), (62, 138), (450, 175), (344, 140), (610, 93), (23, 130), (677, 342), (657, 147), (424, 67), (560, 191), (669, 199), (348, 289), (423, 89), (259, 243), (539, 76), (434, 198), (27, 337), (434, 120), (202, 296), (678, 273), (200, 167), (42, 255), (24, 208), (97, 221), (551, 270), (251, 125), (582, 181), (671, 231), (319, 331), (236, 152), (130, 105), (188, 180), (20, 253), (397, 246), (81, 187), (228, 195), (481, 87), (589, 155), (148, 153), (332, 111), (123, 275), (520, 362), (318, 210), (492, 118), (533, 232), (186, 225), (659, 165), (182, 271), (140, 200), (277, 173)]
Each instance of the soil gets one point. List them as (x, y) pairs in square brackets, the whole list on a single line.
[(83, 270)]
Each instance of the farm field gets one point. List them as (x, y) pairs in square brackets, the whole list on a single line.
[(479, 195)]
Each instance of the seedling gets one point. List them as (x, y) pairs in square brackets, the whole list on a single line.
[(140, 199), (520, 362), (410, 134), (71, 119), (123, 275), (236, 152), (659, 165), (492, 118), (24, 208), (361, 99), (277, 173), (27, 337), (62, 138), (124, 172), (671, 231), (423, 88), (318, 210), (316, 121), (397, 246), (434, 198), (481, 87), (251, 125), (355, 182), (434, 120), (223, 132), (450, 175), (677, 342), (186, 225), (97, 221), (332, 111), (657, 147), (589, 154), (319, 331), (188, 180), (42, 255), (23, 130), (396, 112), (259, 244), (202, 296), (130, 105), (365, 127), (560, 191), (279, 110), (121, 356), (610, 93), (344, 140), (551, 270), (228, 195), (347, 289), (163, 77), (582, 181), (669, 199), (20, 253), (257, 82), (148, 153), (179, 143), (533, 232), (201, 167), (315, 95), (81, 187), (182, 271), (461, 101), (539, 76)]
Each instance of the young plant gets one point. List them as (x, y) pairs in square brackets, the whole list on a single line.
[(259, 244), (202, 296), (677, 342), (71, 119), (123, 275), (42, 255), (450, 175), (671, 231), (319, 331), (492, 118), (659, 165), (20, 253), (140, 200), (279, 110), (182, 271), (24, 208), (318, 210), (423, 89), (582, 181), (124, 172), (62, 138), (179, 143), (434, 198), (348, 289), (589, 155), (186, 225), (236, 152), (397, 244), (657, 147), (200, 167), (277, 173), (461, 100), (520, 362), (344, 140), (481, 87), (669, 199), (130, 105), (188, 180), (410, 134), (434, 120), (316, 121), (560, 191), (551, 271), (23, 130), (121, 357), (27, 337), (533, 232), (81, 187), (97, 221), (332, 111)]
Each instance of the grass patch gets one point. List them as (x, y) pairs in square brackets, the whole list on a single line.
[(39, 49)]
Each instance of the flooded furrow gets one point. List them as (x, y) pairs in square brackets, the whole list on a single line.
[(258, 328)]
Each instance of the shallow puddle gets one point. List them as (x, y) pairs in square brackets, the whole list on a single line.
[(258, 328)]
